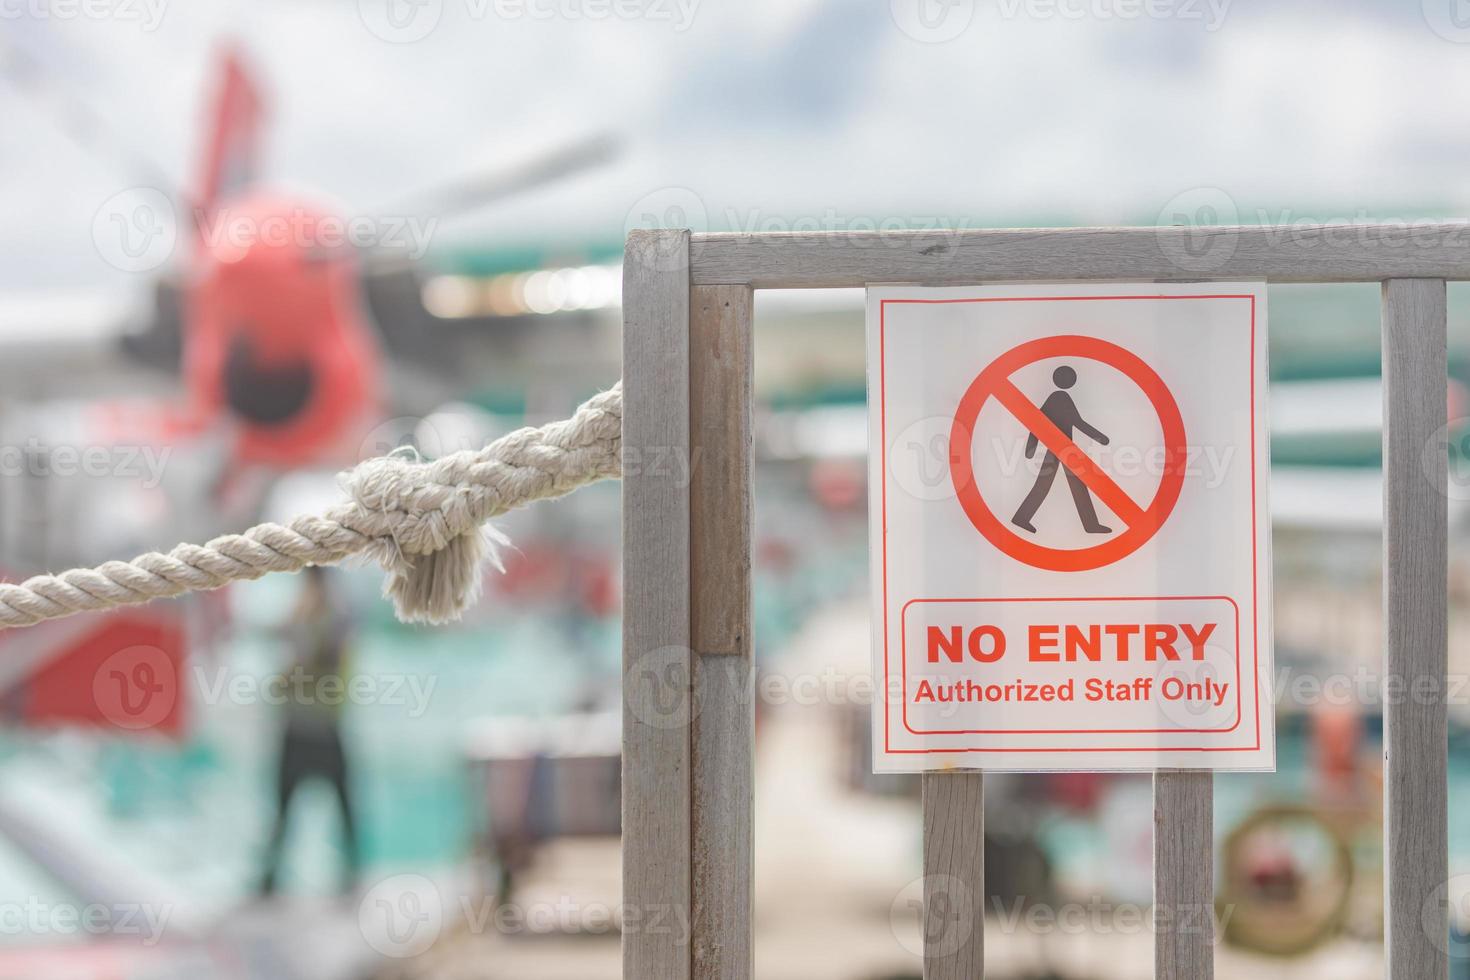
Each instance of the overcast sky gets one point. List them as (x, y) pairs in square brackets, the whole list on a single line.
[(759, 113)]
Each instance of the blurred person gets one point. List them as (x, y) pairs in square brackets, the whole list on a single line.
[(313, 691)]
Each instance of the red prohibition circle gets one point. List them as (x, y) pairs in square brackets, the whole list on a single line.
[(994, 382)]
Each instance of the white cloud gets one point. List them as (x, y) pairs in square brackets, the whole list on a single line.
[(772, 108)]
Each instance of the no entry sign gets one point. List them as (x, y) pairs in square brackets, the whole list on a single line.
[(1071, 543)]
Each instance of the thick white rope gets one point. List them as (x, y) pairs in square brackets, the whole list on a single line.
[(423, 522)]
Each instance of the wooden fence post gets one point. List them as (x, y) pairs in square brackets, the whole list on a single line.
[(722, 762), (1184, 875), (953, 924), (656, 667), (1415, 542)]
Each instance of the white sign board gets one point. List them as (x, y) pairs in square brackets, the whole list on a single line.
[(1069, 527)]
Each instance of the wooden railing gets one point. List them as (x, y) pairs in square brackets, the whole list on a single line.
[(688, 706)]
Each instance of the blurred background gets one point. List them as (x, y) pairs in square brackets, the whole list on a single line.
[(245, 245)]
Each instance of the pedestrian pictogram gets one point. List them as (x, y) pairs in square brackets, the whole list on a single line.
[(1055, 424), (1070, 532), (1062, 412)]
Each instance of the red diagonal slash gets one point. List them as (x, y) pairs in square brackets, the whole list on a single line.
[(1068, 452), (995, 380)]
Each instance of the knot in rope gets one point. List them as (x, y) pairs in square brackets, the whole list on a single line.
[(425, 523)]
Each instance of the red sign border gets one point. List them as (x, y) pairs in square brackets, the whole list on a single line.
[(883, 489)]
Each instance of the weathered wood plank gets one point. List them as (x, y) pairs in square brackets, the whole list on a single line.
[(720, 490), (954, 875), (1414, 559), (722, 791), (1184, 875), (1333, 253), (656, 667)]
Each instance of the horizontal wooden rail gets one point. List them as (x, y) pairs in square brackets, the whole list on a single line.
[(1315, 253)]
